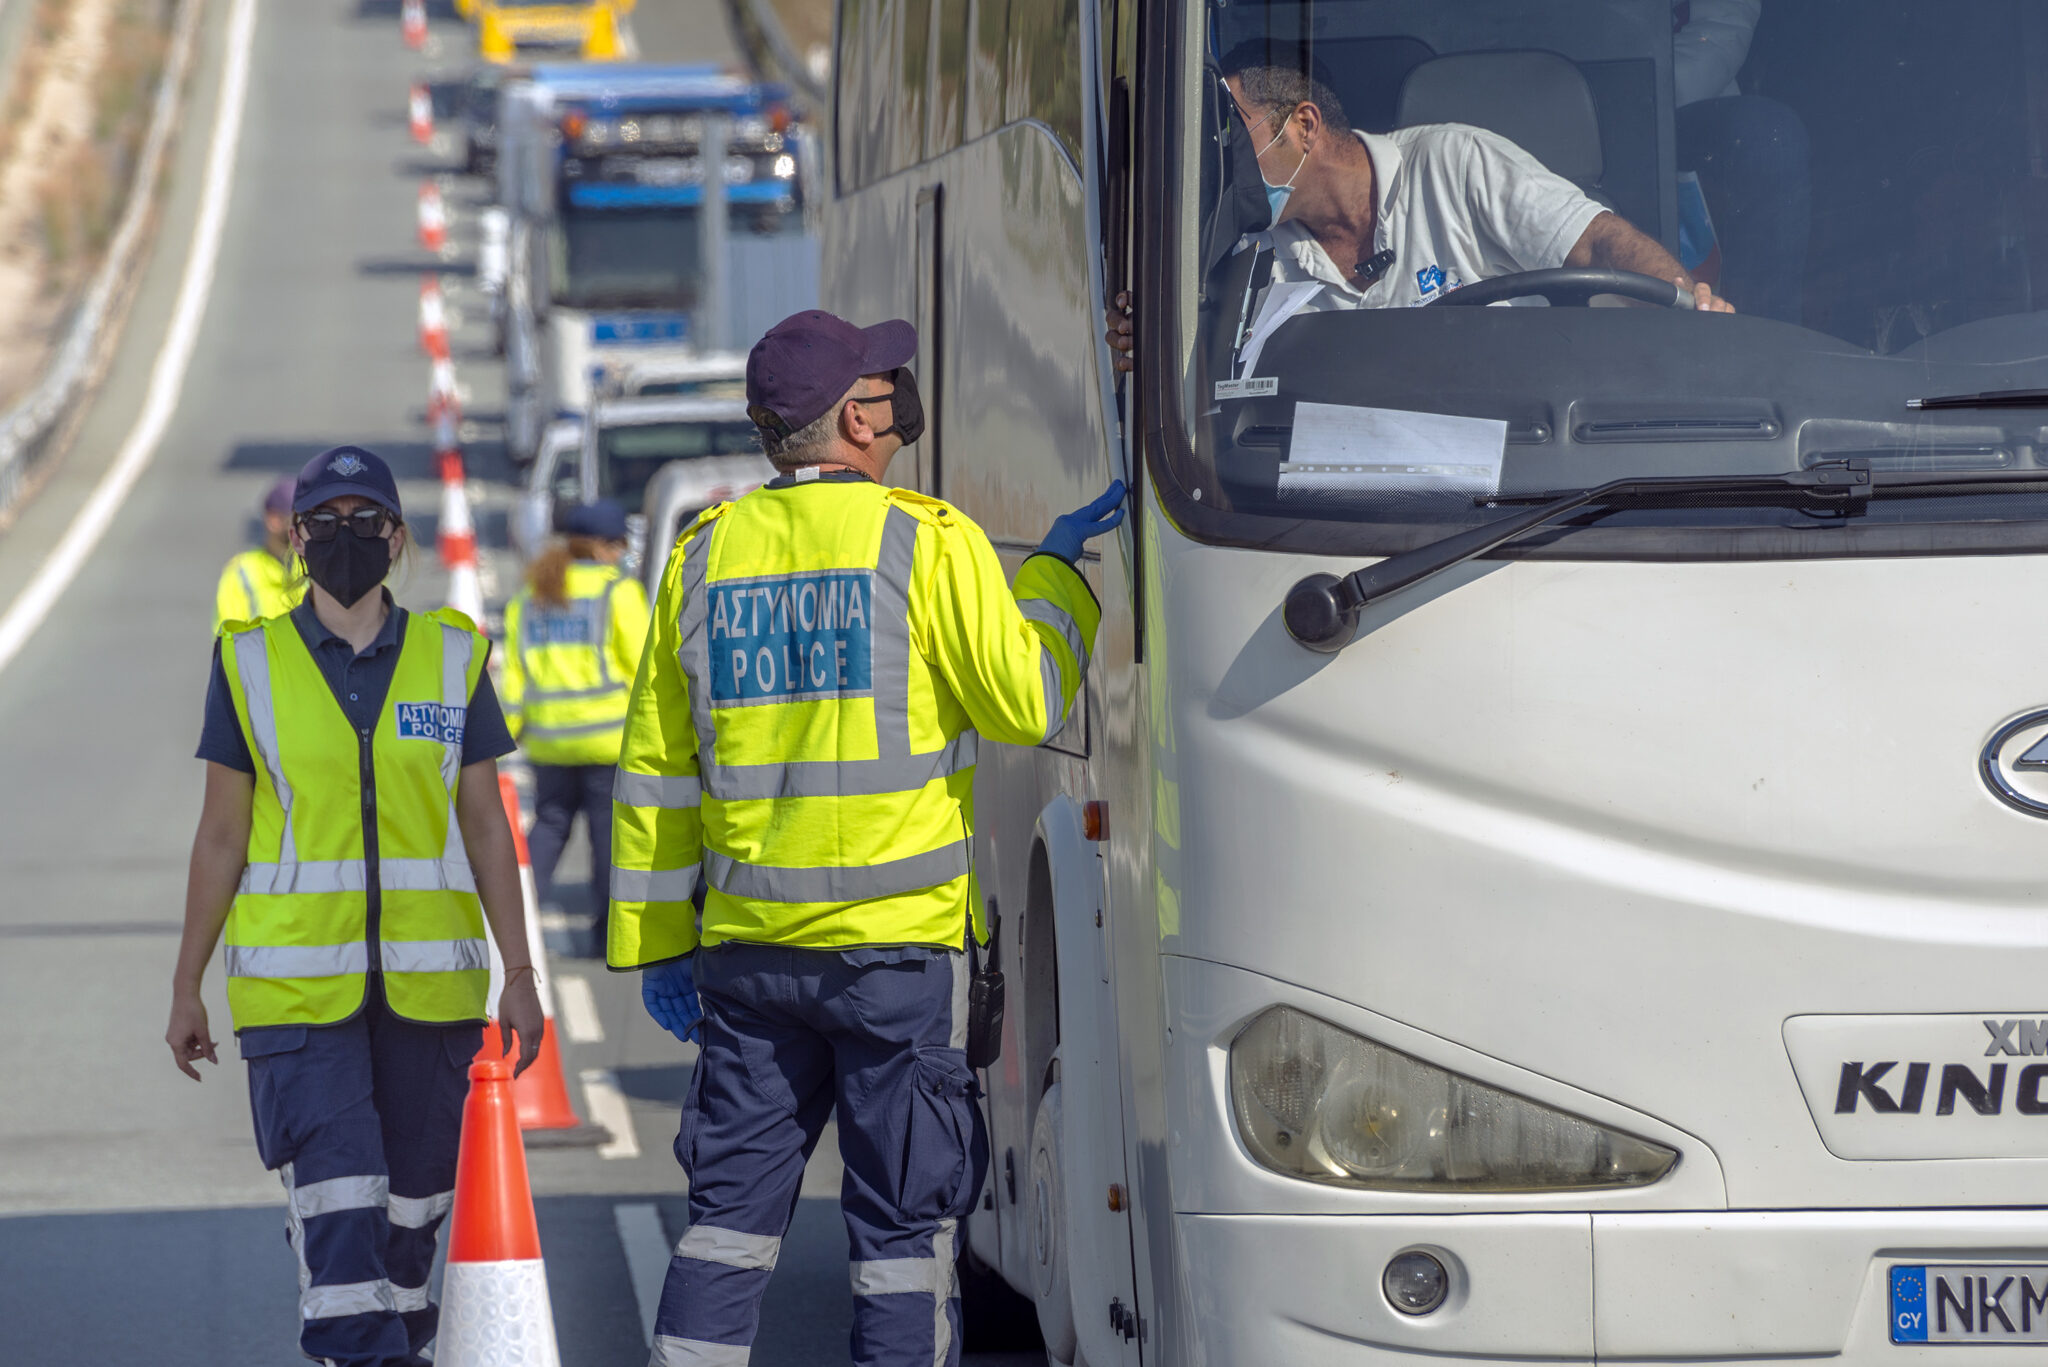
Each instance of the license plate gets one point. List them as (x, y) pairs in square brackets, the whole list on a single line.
[(1970, 1303)]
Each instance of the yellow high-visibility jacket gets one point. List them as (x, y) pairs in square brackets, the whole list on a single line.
[(803, 728), (255, 585), (568, 669), (300, 940)]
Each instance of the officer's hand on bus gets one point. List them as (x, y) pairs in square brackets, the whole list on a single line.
[(188, 1036), (1120, 336), (669, 992), (519, 1013), (1071, 531)]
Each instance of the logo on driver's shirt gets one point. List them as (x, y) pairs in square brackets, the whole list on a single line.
[(1430, 279)]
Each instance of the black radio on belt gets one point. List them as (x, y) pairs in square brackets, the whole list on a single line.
[(985, 1001)]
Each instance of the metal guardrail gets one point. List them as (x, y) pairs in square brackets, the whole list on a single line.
[(35, 426)]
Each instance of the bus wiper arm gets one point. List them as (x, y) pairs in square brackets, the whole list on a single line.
[(1990, 398), (1321, 611)]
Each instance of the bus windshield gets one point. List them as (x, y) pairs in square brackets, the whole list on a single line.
[(1434, 252), (629, 456), (611, 258)]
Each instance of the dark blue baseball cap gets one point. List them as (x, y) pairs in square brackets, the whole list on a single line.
[(808, 361), (604, 520), (346, 470)]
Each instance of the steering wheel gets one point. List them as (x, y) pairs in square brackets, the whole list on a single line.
[(1567, 287)]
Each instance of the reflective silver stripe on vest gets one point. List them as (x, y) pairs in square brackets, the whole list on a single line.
[(843, 778), (891, 621), (586, 728), (709, 1244), (419, 1212), (353, 1298), (670, 792), (249, 590), (252, 662), (1039, 610), (693, 650), (434, 956), (315, 875), (855, 884), (451, 874), (1055, 695), (675, 1352), (534, 695), (654, 885), (297, 961), (341, 1193)]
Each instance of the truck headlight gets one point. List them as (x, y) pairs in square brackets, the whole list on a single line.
[(1320, 1103)]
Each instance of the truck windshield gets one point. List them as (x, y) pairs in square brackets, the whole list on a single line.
[(1490, 219), (629, 456), (612, 258)]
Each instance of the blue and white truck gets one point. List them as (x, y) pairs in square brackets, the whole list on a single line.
[(624, 245)]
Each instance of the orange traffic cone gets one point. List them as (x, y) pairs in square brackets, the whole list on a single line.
[(412, 23), (494, 1295), (433, 319), (542, 1092), (433, 216), (443, 397), (419, 112)]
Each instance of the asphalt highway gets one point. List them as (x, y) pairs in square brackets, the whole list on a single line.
[(136, 1222)]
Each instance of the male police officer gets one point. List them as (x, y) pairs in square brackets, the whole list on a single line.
[(259, 583), (801, 738)]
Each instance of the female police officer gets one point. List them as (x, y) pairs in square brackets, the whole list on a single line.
[(352, 824), (572, 646)]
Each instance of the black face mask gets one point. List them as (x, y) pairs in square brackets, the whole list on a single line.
[(348, 566), (906, 407)]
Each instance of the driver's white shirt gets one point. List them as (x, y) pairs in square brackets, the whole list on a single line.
[(1456, 204)]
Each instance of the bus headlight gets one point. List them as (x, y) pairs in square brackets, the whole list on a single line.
[(1320, 1103)]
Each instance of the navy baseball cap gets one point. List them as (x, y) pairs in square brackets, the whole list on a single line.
[(605, 520), (346, 470), (279, 499), (807, 362)]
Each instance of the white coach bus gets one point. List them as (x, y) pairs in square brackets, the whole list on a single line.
[(1553, 861)]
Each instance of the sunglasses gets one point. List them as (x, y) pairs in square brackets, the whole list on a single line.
[(366, 523)]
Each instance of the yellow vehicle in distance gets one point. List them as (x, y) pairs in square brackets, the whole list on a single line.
[(509, 30)]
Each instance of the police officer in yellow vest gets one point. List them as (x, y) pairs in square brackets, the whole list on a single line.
[(261, 583), (572, 646), (792, 833), (352, 844)]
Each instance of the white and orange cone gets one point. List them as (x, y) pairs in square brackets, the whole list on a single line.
[(541, 1093), (442, 394), (433, 318), (433, 217), (495, 1310), (458, 551), (412, 23), (419, 112)]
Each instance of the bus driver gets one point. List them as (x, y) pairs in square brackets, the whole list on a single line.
[(1450, 202)]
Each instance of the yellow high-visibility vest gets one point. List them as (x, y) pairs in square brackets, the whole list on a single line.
[(299, 938), (803, 730), (569, 668), (255, 585)]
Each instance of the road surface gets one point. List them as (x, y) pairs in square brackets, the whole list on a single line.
[(136, 1222)]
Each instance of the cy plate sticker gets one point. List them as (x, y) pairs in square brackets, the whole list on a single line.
[(1970, 1303), (792, 638)]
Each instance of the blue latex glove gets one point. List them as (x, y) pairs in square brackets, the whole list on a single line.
[(670, 993), (1073, 530)]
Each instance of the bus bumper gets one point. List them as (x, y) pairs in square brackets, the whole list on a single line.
[(1739, 1286)]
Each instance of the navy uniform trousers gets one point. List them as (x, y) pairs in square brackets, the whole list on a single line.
[(362, 1121), (788, 1035)]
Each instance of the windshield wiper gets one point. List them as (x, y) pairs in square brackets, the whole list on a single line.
[(1322, 610), (1990, 398)]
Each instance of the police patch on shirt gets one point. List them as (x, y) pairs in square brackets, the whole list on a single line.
[(431, 721), (792, 637)]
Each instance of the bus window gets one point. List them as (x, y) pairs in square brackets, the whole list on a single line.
[(1856, 179), (949, 78), (916, 18), (990, 56), (1044, 75)]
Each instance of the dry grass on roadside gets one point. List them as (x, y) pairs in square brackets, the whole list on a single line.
[(80, 201)]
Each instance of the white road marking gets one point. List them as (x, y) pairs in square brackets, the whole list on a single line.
[(606, 1105), (647, 1252), (28, 610), (576, 1006)]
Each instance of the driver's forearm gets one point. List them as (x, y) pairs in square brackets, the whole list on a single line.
[(1613, 243)]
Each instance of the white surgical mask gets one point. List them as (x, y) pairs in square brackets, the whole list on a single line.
[(1277, 195)]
